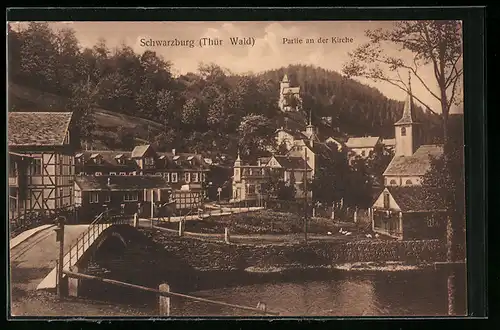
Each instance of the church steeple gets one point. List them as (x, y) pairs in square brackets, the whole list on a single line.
[(407, 132), (408, 111), (310, 129), (285, 78)]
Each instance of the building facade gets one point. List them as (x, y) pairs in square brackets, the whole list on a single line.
[(145, 195), (407, 213), (41, 160)]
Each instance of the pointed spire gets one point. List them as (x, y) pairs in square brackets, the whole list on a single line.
[(285, 78), (310, 116), (238, 158), (408, 114)]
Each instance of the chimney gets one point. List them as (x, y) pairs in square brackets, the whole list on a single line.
[(173, 152)]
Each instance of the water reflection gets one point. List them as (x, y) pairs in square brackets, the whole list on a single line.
[(326, 293)]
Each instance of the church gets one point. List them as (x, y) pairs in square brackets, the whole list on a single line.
[(405, 209), (411, 159)]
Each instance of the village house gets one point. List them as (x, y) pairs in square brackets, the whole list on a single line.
[(362, 146), (411, 160), (389, 145), (409, 213), (185, 173), (41, 162), (126, 194)]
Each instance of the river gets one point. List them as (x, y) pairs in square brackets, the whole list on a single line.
[(316, 293)]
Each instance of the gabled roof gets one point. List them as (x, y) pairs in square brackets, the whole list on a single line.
[(389, 142), (416, 165), (292, 163), (363, 142), (120, 183), (296, 135), (38, 128), (139, 151), (417, 199)]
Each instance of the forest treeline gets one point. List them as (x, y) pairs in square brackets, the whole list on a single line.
[(208, 110)]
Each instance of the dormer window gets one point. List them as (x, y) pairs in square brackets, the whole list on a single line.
[(190, 159), (119, 159), (176, 159), (98, 173), (97, 158)]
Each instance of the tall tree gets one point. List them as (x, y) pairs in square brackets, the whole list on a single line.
[(82, 103), (39, 57), (256, 134)]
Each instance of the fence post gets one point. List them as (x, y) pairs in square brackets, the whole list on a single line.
[(356, 215), (164, 301), (181, 228), (136, 223), (226, 235)]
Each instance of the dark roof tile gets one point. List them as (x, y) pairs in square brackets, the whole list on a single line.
[(38, 128)]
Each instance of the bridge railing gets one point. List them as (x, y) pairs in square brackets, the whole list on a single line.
[(86, 239)]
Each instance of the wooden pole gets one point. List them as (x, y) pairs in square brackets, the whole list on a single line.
[(60, 262), (305, 194), (171, 294), (181, 229), (226, 235), (152, 206), (164, 300)]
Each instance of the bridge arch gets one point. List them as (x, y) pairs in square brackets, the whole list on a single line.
[(110, 242)]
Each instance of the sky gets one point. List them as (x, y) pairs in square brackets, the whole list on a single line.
[(268, 51)]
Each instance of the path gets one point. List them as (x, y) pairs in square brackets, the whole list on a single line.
[(213, 211), (32, 259)]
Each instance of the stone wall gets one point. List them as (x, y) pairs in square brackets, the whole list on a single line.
[(209, 255)]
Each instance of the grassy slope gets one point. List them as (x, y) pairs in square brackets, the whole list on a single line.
[(107, 122)]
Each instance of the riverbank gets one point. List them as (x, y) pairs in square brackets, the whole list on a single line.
[(210, 255)]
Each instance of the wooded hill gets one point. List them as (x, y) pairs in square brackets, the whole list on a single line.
[(134, 98)]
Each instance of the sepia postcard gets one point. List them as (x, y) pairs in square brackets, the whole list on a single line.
[(236, 168)]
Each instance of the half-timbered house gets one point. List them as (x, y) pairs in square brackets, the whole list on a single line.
[(47, 179)]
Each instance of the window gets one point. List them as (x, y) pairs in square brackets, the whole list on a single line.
[(107, 198), (386, 200), (36, 166), (112, 173), (251, 189), (432, 221), (123, 173), (194, 177), (94, 197), (166, 176), (149, 161), (393, 182), (174, 177), (408, 182), (186, 177), (403, 131), (131, 196), (98, 173)]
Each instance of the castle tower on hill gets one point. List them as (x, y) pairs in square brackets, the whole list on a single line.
[(289, 99)]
